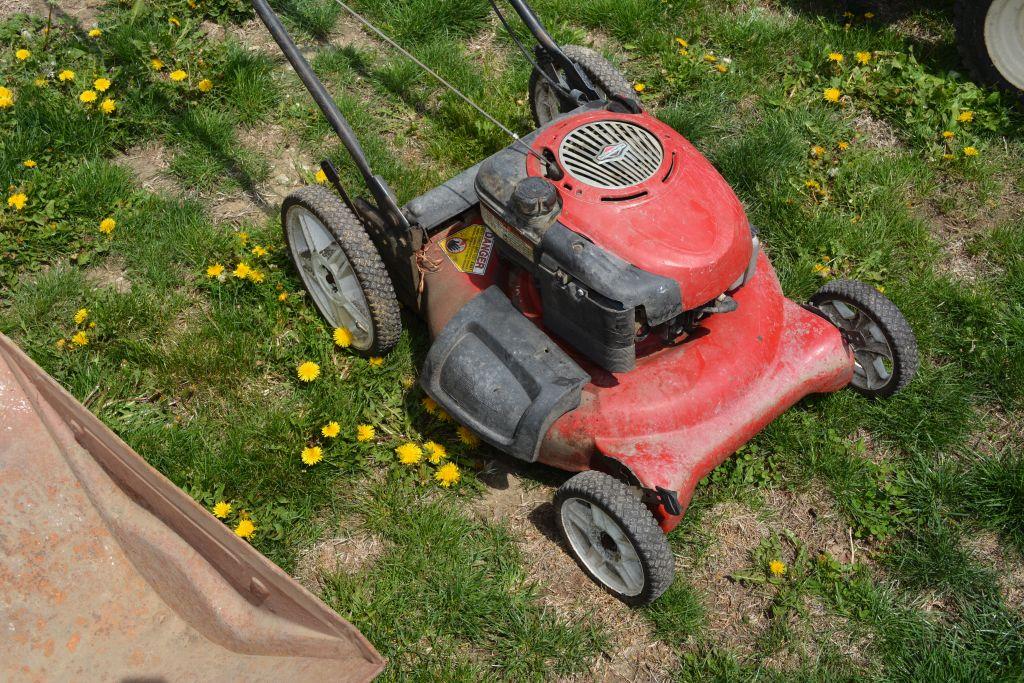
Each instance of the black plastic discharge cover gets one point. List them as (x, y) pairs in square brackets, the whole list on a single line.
[(496, 372)]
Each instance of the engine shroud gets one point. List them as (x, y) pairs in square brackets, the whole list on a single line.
[(638, 229)]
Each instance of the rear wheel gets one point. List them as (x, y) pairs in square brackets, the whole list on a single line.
[(990, 37), (341, 269), (614, 538), (884, 347), (545, 104)]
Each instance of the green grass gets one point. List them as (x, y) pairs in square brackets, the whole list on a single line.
[(198, 374)]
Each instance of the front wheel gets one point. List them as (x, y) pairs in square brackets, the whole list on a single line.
[(990, 37), (545, 103), (884, 347), (614, 538), (341, 269)]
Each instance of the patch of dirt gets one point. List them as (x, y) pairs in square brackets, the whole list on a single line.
[(350, 552), (816, 630), (738, 613), (289, 165), (149, 165), (634, 651), (81, 14), (252, 35), (876, 133), (1007, 564), (1002, 431), (110, 273)]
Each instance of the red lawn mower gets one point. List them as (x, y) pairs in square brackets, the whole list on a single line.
[(598, 302)]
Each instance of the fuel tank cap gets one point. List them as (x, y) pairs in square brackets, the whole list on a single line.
[(534, 197)]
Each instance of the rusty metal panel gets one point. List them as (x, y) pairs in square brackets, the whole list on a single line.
[(109, 571)]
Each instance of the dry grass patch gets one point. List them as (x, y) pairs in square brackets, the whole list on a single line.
[(353, 550), (1005, 562)]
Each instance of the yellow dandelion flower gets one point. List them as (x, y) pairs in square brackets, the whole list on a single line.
[(710, 58), (836, 57), (863, 57), (17, 201), (331, 429), (970, 151), (435, 452), (409, 453), (259, 251), (311, 455), (429, 405), (843, 145), (880, 288), (831, 94), (817, 151), (777, 567), (821, 269), (87, 96), (241, 271), (639, 87), (408, 382), (365, 432), (375, 361), (812, 184), (81, 315), (283, 296), (39, 82), (92, 325), (256, 275), (107, 225), (61, 343), (22, 54), (947, 134), (108, 106), (965, 117), (216, 270), (467, 437), (869, 15), (66, 75), (222, 509), (448, 474), (6, 98), (443, 415), (682, 43), (245, 528), (342, 337), (156, 64), (29, 163), (320, 176), (80, 338), (205, 85), (947, 156), (95, 33), (721, 68), (101, 84), (243, 237), (308, 371), (174, 20), (178, 75)]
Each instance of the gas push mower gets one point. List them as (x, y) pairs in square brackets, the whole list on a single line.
[(598, 302)]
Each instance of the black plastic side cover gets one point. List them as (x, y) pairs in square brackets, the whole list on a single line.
[(495, 372)]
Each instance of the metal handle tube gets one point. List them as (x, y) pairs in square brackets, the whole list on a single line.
[(327, 105)]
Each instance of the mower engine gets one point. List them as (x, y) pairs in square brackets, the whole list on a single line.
[(627, 231)]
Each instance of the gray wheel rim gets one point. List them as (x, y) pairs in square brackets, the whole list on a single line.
[(329, 276), (1004, 39), (602, 546), (873, 356)]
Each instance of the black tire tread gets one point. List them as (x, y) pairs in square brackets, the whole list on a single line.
[(366, 262), (619, 501), (599, 70), (969, 21), (889, 318)]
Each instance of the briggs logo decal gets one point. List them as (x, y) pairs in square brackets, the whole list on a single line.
[(613, 153)]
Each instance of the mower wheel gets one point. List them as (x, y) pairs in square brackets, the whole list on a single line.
[(341, 269), (884, 347), (614, 537), (606, 79)]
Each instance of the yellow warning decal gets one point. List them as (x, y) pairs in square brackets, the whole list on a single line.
[(470, 249)]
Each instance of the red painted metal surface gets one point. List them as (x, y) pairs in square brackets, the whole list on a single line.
[(685, 408), (110, 572), (688, 225)]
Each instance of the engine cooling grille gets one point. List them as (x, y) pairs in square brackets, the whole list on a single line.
[(611, 154)]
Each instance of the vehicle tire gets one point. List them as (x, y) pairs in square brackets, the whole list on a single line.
[(614, 538), (884, 346), (341, 269), (991, 42), (606, 79)]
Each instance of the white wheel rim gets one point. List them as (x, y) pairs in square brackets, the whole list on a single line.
[(1004, 39), (602, 546), (328, 275)]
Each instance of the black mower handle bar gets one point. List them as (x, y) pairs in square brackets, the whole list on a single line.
[(385, 201)]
